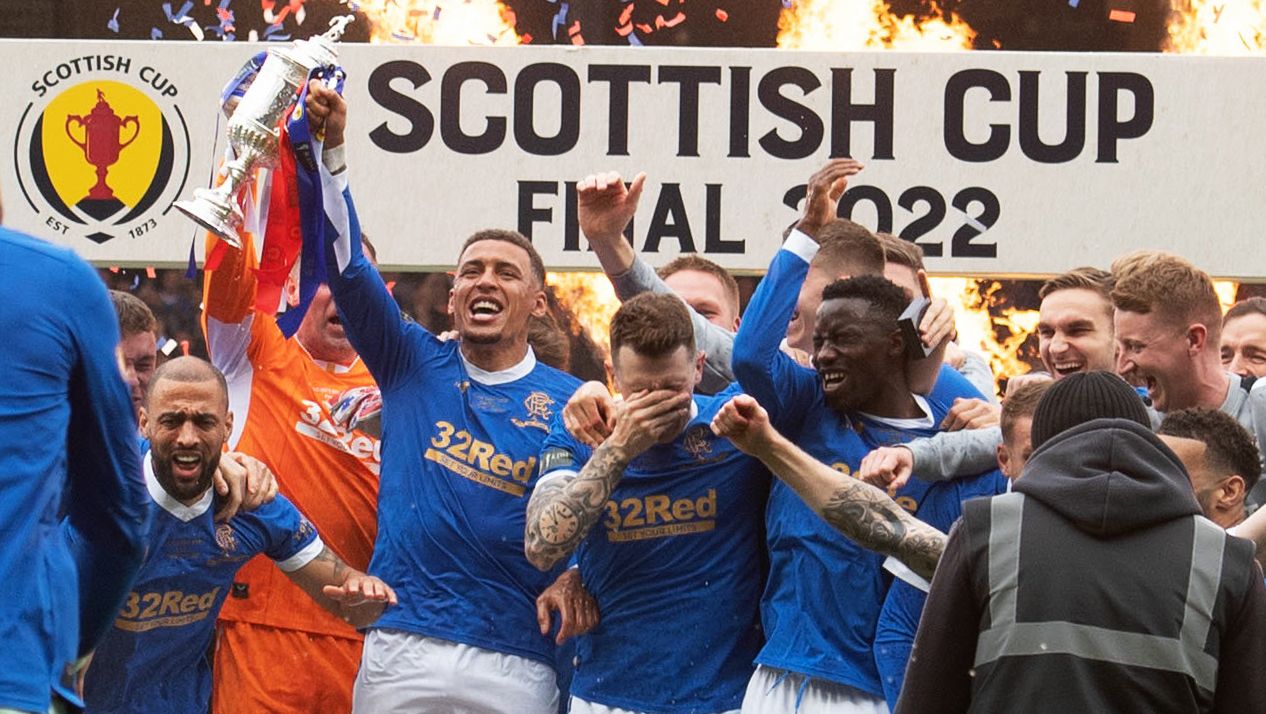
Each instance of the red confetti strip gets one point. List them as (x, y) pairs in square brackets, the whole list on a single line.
[(184, 347), (578, 39), (645, 28), (526, 38), (663, 2), (574, 29), (1121, 16), (677, 20), (722, 15), (627, 14), (114, 268), (149, 272), (624, 30), (391, 285)]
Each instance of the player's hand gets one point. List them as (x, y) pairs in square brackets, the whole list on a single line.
[(604, 205), (590, 413), (745, 422), (576, 608), (822, 195), (645, 418), (971, 414), (937, 325), (244, 483), (327, 113), (887, 467), (361, 598)]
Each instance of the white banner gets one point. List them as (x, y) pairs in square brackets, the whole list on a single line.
[(996, 163)]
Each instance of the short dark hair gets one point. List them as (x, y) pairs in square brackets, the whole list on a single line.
[(887, 301), (901, 251), (188, 369), (690, 261), (652, 325), (848, 248), (514, 238), (1020, 404), (1084, 278), (134, 315), (1229, 446), (1251, 306)]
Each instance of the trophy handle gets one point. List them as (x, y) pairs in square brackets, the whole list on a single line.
[(135, 133), (80, 121)]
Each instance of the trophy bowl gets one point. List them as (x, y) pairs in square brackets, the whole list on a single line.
[(252, 130)]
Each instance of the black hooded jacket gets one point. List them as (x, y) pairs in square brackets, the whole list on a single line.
[(1072, 594)]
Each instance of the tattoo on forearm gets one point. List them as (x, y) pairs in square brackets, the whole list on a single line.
[(563, 509), (336, 563), (874, 521)]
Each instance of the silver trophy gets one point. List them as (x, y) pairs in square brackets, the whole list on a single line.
[(252, 129)]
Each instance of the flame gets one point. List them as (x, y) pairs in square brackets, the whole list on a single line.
[(473, 22), (1217, 27), (985, 322), (833, 25), (1226, 290), (591, 299)]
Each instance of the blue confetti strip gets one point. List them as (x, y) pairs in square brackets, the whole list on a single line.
[(155, 33), (561, 18), (113, 24)]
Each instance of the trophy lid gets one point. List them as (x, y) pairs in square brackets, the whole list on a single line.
[(319, 51)]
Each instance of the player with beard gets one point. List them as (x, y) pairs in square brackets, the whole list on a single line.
[(154, 658), (1075, 334), (465, 421), (664, 520)]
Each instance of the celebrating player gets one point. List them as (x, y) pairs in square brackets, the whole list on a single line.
[(466, 420), (154, 658)]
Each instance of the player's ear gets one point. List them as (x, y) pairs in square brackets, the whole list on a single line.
[(228, 426), (144, 421), (540, 306)]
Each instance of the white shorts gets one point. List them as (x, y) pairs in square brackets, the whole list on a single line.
[(404, 672), (580, 706), (773, 691)]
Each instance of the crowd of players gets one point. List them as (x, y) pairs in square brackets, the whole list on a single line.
[(808, 508)]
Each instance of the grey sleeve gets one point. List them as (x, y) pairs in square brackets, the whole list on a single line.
[(717, 343), (976, 370), (952, 454)]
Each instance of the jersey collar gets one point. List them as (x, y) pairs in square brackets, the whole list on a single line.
[(165, 500), (518, 371)]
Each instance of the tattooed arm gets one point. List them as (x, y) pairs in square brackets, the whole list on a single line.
[(346, 592), (564, 507), (858, 510)]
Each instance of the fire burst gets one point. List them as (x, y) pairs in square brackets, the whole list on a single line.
[(836, 25), (474, 22), (1217, 27)]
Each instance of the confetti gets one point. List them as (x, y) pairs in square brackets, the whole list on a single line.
[(150, 272), (391, 285), (633, 40), (661, 23), (169, 346), (155, 33), (184, 347), (1073, 3), (113, 24), (114, 268), (561, 18), (526, 38), (723, 16), (1121, 16)]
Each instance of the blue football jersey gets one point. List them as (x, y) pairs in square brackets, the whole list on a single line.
[(156, 656), (459, 461), (676, 565)]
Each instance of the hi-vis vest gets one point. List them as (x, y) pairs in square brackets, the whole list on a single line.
[(1056, 637)]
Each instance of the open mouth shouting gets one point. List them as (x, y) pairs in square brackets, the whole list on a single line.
[(186, 466), (832, 379), (1065, 367), (484, 310)]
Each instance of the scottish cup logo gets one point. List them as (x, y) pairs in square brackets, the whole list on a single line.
[(102, 158)]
